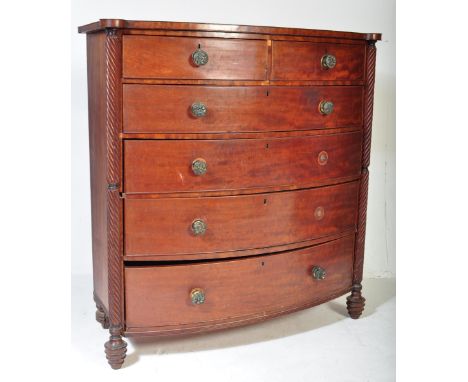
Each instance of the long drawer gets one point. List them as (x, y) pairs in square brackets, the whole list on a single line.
[(197, 226), (195, 296), (154, 166), (215, 109), (173, 57), (317, 61)]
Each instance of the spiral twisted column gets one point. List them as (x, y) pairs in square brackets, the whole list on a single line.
[(116, 347), (355, 302)]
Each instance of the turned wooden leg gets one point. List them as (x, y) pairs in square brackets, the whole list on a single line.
[(101, 316), (116, 349), (355, 302)]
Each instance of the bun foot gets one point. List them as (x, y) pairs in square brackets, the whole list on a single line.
[(116, 349), (355, 302)]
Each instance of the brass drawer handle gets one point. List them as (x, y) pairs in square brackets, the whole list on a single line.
[(198, 227), (198, 109), (328, 61), (326, 107), (318, 273), (199, 166), (199, 57), (197, 295)]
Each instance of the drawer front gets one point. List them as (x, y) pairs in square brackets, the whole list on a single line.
[(154, 166), (179, 226), (306, 61), (171, 57), (181, 296), (212, 109)]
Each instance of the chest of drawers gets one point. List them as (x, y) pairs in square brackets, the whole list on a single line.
[(228, 173)]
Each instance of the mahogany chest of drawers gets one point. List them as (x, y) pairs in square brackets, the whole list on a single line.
[(228, 173)]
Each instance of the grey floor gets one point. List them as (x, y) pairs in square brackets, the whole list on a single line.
[(317, 344)]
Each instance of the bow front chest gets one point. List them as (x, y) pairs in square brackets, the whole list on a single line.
[(228, 173)]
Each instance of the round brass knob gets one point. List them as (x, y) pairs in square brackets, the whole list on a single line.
[(197, 295), (328, 61), (326, 107), (199, 166), (319, 213), (198, 109), (318, 273), (199, 57), (198, 227), (323, 158)]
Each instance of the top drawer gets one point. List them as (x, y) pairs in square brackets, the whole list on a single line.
[(172, 57), (317, 61)]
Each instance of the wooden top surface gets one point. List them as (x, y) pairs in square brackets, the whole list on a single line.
[(184, 26)]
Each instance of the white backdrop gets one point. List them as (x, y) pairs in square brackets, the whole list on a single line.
[(343, 15)]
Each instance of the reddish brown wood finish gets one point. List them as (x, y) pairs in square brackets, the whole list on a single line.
[(356, 302), (165, 166), (243, 36), (159, 296), (302, 61), (244, 253), (96, 56), (171, 57), (209, 326), (261, 141), (246, 191), (210, 82), (163, 226), (368, 111), (366, 149), (113, 175), (368, 103), (165, 108), (240, 135), (104, 90), (116, 347), (137, 25), (101, 315)]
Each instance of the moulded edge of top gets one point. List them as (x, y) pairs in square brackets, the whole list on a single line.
[(103, 24)]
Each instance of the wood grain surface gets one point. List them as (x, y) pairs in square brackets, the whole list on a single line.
[(153, 166), (235, 289), (235, 223), (302, 61), (166, 108), (141, 26), (96, 57), (171, 57), (285, 188)]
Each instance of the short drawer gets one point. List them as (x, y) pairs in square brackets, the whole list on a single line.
[(157, 166), (178, 298), (317, 61), (216, 109), (194, 58), (195, 226)]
